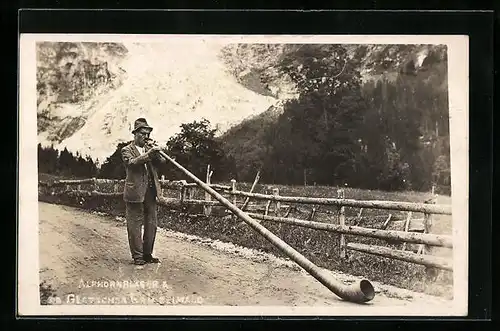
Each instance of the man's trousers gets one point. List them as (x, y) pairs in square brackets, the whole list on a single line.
[(137, 215)]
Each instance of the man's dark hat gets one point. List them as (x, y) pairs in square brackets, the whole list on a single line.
[(141, 123)]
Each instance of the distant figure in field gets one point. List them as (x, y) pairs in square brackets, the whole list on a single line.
[(140, 192)]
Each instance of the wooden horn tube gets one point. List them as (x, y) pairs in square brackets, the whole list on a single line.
[(359, 292)]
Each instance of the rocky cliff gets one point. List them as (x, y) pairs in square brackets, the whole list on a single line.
[(99, 92)]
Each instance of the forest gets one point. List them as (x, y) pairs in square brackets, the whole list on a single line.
[(390, 132)]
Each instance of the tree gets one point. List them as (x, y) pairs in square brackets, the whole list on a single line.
[(91, 167), (321, 129), (65, 163), (48, 159), (195, 147), (113, 167), (408, 133)]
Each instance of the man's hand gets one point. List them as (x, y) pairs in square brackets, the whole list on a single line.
[(154, 154), (129, 159), (153, 150)]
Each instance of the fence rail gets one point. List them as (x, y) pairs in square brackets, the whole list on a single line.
[(411, 237), (340, 202), (375, 204), (186, 197), (96, 181), (427, 260)]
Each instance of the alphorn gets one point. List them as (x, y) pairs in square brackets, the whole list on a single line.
[(359, 292)]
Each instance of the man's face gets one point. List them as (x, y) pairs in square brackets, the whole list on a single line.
[(140, 136)]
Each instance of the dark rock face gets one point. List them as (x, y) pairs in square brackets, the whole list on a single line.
[(71, 73), (255, 65)]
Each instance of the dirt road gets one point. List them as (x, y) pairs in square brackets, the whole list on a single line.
[(86, 255)]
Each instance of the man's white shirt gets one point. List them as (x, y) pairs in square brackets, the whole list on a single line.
[(142, 152), (140, 149)]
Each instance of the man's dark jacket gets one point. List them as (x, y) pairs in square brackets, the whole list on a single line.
[(136, 181)]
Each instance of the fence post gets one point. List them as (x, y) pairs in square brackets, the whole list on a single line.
[(268, 204), (360, 217), (341, 195), (386, 223), (276, 193), (247, 200), (162, 179), (207, 209), (407, 227), (233, 191), (267, 207), (311, 216), (423, 249), (182, 193)]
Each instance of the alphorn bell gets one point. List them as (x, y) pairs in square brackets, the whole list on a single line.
[(360, 292)]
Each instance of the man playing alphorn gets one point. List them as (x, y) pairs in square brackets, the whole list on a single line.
[(141, 188)]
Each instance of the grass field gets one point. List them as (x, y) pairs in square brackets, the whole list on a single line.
[(320, 247)]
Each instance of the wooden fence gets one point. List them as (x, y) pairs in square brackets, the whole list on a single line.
[(281, 207)]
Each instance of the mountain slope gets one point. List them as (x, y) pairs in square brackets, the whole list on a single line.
[(72, 73), (404, 86), (169, 84), (246, 142), (255, 65)]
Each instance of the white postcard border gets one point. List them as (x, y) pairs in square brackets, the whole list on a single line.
[(28, 265)]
